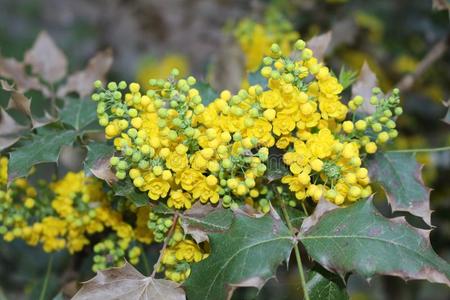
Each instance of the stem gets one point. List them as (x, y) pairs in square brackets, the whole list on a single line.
[(297, 253), (166, 241), (47, 275), (146, 265), (304, 208), (446, 148)]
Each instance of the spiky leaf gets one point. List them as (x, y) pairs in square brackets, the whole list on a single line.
[(78, 113), (125, 188), (359, 239), (97, 161), (248, 254), (44, 146), (323, 285), (400, 176)]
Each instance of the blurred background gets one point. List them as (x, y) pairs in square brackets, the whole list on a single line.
[(405, 42)]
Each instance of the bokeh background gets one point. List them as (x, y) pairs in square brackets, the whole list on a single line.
[(405, 42)]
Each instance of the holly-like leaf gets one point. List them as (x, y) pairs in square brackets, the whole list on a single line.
[(247, 254), (128, 283), (323, 285), (78, 113), (21, 103), (319, 45), (400, 176), (125, 188), (44, 146), (81, 81), (367, 80), (255, 78), (446, 119), (46, 59), (207, 93), (97, 161), (359, 239), (12, 69), (10, 130), (202, 219)]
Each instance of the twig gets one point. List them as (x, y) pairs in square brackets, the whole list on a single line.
[(446, 148), (166, 241), (47, 275), (297, 252), (407, 82)]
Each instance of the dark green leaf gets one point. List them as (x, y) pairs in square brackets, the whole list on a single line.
[(400, 176), (97, 161), (207, 93), (125, 188), (78, 113), (323, 285), (248, 254), (202, 219), (359, 239), (44, 146), (255, 78)]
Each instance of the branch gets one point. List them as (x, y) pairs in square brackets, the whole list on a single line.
[(438, 50)]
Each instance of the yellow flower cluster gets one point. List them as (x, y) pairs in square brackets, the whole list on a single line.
[(169, 148), (255, 38), (65, 213), (175, 149), (176, 259)]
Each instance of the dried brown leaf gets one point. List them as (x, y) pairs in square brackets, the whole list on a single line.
[(46, 59), (12, 69), (126, 283), (319, 45), (441, 5), (322, 207), (82, 81), (10, 130), (367, 80), (20, 102)]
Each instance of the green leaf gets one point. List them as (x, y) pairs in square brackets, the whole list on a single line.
[(400, 176), (323, 285), (97, 161), (44, 146), (125, 188), (78, 113), (347, 77), (359, 239), (446, 119), (255, 78), (248, 254), (202, 219), (207, 93)]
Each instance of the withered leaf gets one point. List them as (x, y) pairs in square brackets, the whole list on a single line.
[(81, 82), (46, 59), (367, 80), (12, 69), (319, 45), (10, 130), (126, 283)]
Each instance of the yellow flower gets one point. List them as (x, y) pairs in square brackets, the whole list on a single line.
[(189, 178), (177, 162), (283, 125), (188, 251), (157, 188), (270, 99), (179, 199), (205, 192)]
